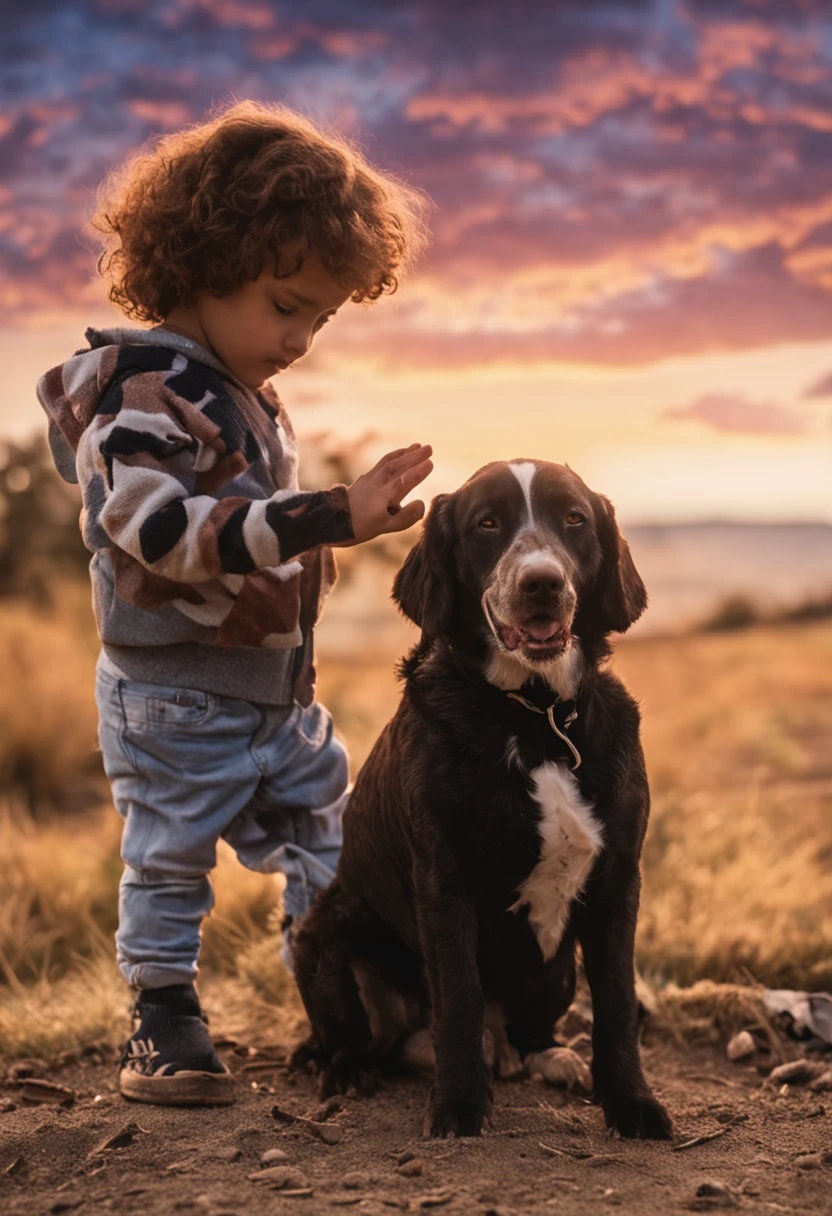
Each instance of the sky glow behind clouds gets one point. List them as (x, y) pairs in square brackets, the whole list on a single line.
[(614, 186)]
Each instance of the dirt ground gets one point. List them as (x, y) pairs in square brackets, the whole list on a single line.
[(546, 1151)]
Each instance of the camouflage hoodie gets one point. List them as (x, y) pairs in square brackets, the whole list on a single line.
[(209, 566)]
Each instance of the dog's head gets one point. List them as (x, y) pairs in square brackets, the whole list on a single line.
[(523, 556)]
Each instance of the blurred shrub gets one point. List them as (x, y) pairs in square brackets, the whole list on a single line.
[(48, 723), (810, 610), (40, 540), (735, 612)]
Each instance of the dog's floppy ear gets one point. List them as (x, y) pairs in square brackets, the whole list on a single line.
[(622, 596), (424, 587)]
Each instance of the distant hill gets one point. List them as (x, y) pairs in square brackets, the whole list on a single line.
[(690, 568)]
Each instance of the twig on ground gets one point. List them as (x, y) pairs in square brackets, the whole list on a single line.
[(677, 1148)]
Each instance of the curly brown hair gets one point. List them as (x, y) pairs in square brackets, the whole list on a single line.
[(202, 211)]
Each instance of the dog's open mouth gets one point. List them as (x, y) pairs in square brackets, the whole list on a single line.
[(539, 636)]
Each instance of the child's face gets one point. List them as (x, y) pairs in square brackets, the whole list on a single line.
[(268, 323)]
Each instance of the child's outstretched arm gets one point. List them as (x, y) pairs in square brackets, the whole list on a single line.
[(143, 467)]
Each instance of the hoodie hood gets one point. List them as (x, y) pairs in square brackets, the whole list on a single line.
[(71, 392)]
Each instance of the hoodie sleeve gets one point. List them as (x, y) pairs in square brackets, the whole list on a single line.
[(148, 451)]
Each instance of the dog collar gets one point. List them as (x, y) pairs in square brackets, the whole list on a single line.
[(549, 712)]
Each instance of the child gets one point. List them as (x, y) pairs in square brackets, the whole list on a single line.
[(239, 238)]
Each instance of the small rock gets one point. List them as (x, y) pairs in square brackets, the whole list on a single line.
[(282, 1178), (355, 1180), (272, 1156), (814, 1161), (412, 1169), (712, 1190), (435, 1199), (711, 1195), (822, 1083), (329, 1133), (16, 1167), (741, 1046), (418, 1053), (6, 1106), (229, 1154), (561, 1067), (404, 1157), (796, 1073)]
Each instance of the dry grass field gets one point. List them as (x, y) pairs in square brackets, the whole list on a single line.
[(737, 874)]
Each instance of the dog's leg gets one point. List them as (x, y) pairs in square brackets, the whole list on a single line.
[(531, 1028), (461, 1097), (327, 984), (606, 929)]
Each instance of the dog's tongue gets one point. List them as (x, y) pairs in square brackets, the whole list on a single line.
[(541, 630)]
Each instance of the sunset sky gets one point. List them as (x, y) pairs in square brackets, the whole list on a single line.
[(631, 266)]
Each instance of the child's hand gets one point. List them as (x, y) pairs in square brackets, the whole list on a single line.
[(375, 498)]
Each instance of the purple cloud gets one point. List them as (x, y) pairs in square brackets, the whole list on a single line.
[(661, 177)]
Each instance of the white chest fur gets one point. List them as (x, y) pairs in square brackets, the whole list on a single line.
[(571, 839)]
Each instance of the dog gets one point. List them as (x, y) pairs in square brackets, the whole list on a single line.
[(499, 818)]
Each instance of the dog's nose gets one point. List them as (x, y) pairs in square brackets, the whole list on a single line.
[(541, 580)]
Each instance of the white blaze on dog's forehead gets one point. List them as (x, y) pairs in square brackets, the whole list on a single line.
[(571, 839), (524, 471)]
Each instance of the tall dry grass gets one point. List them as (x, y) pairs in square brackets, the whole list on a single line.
[(48, 728), (737, 868)]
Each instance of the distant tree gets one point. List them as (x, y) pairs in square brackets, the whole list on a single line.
[(39, 533)]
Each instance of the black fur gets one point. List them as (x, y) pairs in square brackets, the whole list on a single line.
[(440, 832)]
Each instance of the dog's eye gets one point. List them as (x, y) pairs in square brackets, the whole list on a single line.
[(574, 518), (488, 523)]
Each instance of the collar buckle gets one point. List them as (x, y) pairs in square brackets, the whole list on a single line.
[(550, 715)]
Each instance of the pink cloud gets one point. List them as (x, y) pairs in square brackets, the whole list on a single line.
[(162, 113), (730, 412), (820, 388)]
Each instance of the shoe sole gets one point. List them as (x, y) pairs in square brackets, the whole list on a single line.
[(180, 1089)]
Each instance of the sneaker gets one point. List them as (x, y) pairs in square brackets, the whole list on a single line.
[(170, 1060)]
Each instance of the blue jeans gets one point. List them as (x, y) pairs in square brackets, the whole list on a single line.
[(189, 767)]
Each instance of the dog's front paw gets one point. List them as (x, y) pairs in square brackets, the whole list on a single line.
[(348, 1069), (637, 1117), (308, 1056), (460, 1114)]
